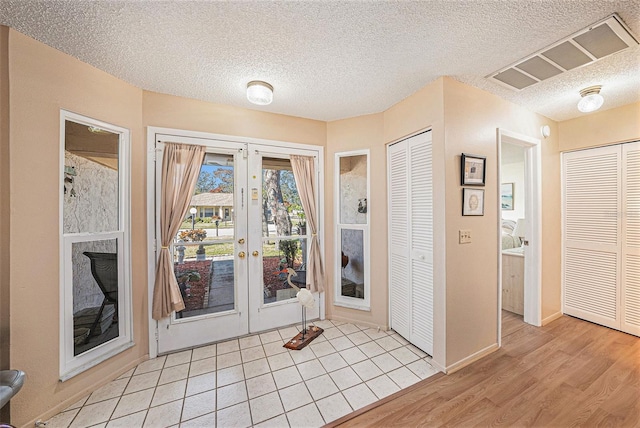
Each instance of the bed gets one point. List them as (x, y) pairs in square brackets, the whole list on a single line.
[(508, 240)]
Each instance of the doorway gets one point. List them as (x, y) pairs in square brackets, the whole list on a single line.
[(519, 187), (244, 228)]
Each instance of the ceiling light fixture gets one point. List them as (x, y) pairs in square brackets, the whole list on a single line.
[(591, 99), (259, 92)]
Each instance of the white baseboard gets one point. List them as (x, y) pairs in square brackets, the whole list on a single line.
[(551, 318), (471, 358)]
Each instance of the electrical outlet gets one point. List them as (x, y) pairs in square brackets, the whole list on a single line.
[(464, 236)]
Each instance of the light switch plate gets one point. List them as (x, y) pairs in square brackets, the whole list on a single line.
[(464, 236)]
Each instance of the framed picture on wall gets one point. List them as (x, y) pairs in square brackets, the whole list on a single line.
[(473, 169), (506, 196), (472, 201)]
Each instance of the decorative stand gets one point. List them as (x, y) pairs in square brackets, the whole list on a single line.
[(303, 338)]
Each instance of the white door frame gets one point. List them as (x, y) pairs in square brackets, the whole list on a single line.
[(533, 214), (151, 217)]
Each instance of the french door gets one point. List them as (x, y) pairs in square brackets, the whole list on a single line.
[(245, 227)]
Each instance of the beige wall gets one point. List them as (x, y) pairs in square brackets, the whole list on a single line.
[(618, 125), (43, 81), (169, 111)]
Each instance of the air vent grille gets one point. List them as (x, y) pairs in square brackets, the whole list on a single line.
[(587, 46)]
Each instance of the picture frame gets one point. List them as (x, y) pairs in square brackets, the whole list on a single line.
[(472, 202), (473, 169), (506, 196)]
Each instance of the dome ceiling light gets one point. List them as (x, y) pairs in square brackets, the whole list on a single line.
[(591, 99), (259, 92)]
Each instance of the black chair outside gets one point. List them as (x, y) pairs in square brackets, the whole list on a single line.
[(104, 268)]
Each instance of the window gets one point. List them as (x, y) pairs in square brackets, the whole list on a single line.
[(352, 230), (95, 287)]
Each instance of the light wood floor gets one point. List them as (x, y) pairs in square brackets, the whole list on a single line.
[(568, 373)]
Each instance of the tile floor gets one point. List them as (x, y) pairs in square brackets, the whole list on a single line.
[(254, 381)]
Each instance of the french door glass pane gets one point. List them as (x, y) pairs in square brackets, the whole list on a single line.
[(277, 256), (282, 213)]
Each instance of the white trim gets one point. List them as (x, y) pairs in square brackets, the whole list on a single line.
[(533, 214), (471, 358), (151, 236), (552, 318), (70, 365)]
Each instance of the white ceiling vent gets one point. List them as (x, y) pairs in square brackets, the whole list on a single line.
[(598, 41)]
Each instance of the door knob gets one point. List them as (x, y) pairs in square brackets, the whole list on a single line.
[(241, 241), (241, 254), (255, 253)]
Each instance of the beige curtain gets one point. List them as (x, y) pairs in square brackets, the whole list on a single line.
[(304, 171), (180, 169)]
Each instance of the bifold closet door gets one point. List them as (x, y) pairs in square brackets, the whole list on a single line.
[(631, 238), (411, 239), (592, 228)]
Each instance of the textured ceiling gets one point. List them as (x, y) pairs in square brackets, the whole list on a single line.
[(330, 60)]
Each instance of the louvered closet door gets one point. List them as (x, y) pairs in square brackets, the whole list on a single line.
[(411, 240), (631, 239), (592, 227)]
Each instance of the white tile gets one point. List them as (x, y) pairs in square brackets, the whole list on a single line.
[(371, 349), (345, 378), (332, 333), (102, 425), (150, 365), (62, 420), (399, 338), (324, 324), (175, 373), (422, 369), (338, 322), (366, 370), (274, 348), (404, 355), (352, 355), (232, 394), (375, 333), (230, 375), (203, 366), (250, 341), (127, 374), (178, 358), (169, 392), (333, 362), (403, 377), (277, 422), (132, 403), (382, 386), (265, 407), (198, 405), (260, 385), (305, 354), (286, 377), (333, 407), (237, 416), (359, 396), (348, 329), (228, 346), (228, 360), (311, 369), (204, 352), (202, 383), (321, 349), (143, 381), (417, 351), (111, 390), (164, 416), (280, 361), (388, 343), (251, 354), (256, 368), (321, 387), (208, 420), (288, 333), (341, 343), (295, 396), (134, 420), (307, 417), (386, 362), (272, 336), (359, 338)]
